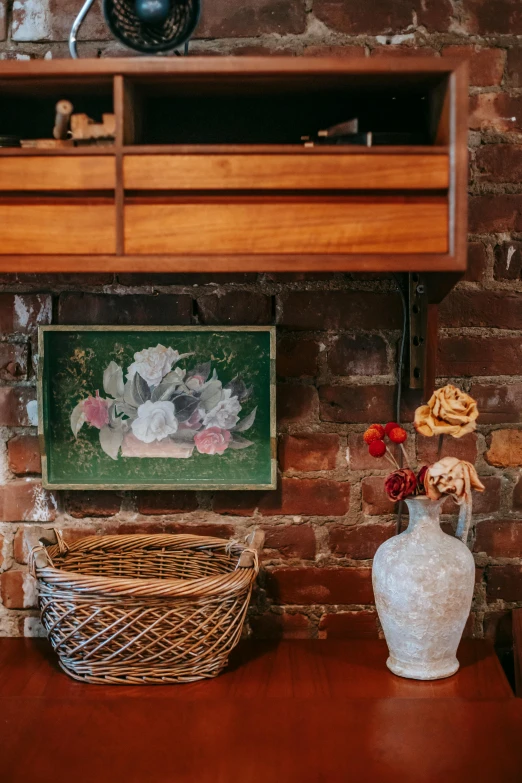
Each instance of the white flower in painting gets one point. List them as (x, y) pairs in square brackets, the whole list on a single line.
[(153, 363), (155, 421), (224, 414)]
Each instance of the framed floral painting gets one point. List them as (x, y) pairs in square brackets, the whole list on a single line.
[(157, 407)]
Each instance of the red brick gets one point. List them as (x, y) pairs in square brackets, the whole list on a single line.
[(504, 582), (13, 406), (280, 626), (341, 310), (166, 502), (498, 403), (495, 213), (403, 51), (498, 627), (517, 496), (321, 586), (55, 22), (296, 404), (251, 18), (358, 355), (486, 66), (92, 504), (499, 163), (508, 261), (497, 309), (127, 310), (317, 50), (505, 449), (25, 500), (308, 451), (24, 454), (359, 542), (514, 66), (13, 362), (290, 541), (499, 538), (349, 625), (309, 497), (235, 308), (297, 357), (356, 404), (356, 18), (470, 355), (495, 111), (462, 448), (487, 502), (375, 501), (494, 16), (18, 590), (24, 313), (477, 262)]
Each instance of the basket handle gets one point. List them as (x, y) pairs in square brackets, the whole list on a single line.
[(39, 556), (250, 556)]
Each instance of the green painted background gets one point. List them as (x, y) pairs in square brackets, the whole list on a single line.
[(73, 369)]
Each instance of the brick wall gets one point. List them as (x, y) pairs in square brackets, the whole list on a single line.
[(337, 339)]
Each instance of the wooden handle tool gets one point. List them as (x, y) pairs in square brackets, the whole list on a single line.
[(64, 109)]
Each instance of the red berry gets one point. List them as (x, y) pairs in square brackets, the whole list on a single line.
[(371, 435), (390, 426), (397, 435), (379, 428), (377, 448)]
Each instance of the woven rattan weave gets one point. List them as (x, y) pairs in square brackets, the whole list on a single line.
[(144, 608)]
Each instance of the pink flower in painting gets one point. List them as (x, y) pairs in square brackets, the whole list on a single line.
[(96, 411), (212, 441)]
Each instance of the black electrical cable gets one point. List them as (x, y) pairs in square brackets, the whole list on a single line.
[(400, 365)]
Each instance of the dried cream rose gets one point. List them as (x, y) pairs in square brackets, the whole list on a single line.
[(449, 411), (452, 476)]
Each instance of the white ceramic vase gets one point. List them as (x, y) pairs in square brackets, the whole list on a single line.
[(423, 581)]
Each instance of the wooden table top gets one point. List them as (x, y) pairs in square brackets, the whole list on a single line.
[(303, 711)]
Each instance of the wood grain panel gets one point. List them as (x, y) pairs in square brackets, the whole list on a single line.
[(291, 172), (333, 226), (57, 228), (57, 173)]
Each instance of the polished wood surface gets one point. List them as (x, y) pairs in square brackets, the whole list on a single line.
[(334, 226), (57, 228), (280, 172), (57, 173), (297, 711)]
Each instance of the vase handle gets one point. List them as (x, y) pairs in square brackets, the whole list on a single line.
[(464, 521)]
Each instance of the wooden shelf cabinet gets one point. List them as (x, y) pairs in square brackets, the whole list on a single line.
[(208, 171)]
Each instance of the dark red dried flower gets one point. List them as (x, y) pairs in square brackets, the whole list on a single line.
[(400, 484)]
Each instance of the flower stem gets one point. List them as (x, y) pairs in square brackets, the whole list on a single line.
[(405, 455), (392, 459), (439, 450)]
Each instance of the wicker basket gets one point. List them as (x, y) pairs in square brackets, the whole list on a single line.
[(142, 608)]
